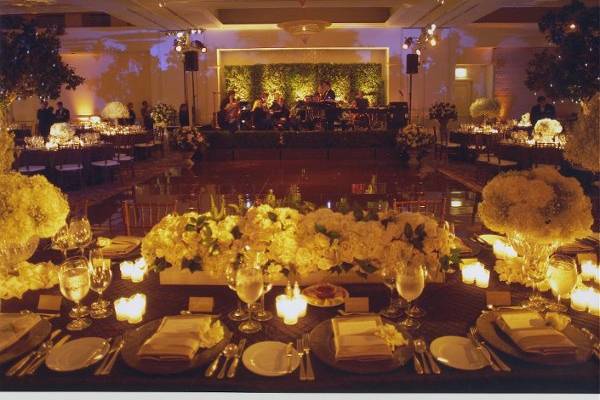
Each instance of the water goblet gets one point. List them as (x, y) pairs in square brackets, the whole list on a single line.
[(261, 314), (249, 286), (239, 314), (62, 240), (74, 281), (81, 231), (100, 278), (562, 276), (410, 282), (388, 274)]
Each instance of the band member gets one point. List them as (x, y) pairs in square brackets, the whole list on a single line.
[(260, 118), (331, 112), (232, 113), (45, 118), (280, 109), (61, 114), (146, 117), (360, 102), (227, 104)]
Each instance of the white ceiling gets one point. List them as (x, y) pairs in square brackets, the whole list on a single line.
[(181, 14)]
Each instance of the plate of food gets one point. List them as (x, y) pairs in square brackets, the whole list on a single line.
[(325, 295)]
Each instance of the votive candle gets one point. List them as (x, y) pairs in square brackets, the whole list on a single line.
[(131, 309), (482, 278), (588, 270), (594, 302), (579, 299)]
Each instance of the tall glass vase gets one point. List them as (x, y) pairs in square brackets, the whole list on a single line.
[(12, 254), (536, 258)]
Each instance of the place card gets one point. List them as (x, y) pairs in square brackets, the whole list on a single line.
[(357, 304), (201, 304), (498, 298), (49, 302)]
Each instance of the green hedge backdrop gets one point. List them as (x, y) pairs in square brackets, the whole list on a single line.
[(294, 81)]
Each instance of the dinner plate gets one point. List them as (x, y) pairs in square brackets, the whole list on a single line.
[(77, 354), (322, 346), (457, 352), (499, 340), (270, 359), (490, 239), (30, 341), (135, 338), (313, 301)]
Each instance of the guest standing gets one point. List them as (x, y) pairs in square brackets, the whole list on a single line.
[(146, 117), (132, 116), (45, 118), (61, 114), (328, 97), (542, 110), (184, 115)]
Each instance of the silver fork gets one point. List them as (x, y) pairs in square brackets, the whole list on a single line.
[(310, 375), (503, 366), (300, 350)]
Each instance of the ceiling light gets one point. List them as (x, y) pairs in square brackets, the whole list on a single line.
[(179, 34), (418, 52), (304, 28), (572, 26), (178, 48), (433, 42), (404, 46)]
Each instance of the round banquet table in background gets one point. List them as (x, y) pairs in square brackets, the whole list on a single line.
[(451, 309)]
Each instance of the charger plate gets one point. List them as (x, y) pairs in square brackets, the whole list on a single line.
[(30, 341), (322, 346), (134, 339), (501, 341)]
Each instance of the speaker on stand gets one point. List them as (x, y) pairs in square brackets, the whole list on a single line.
[(412, 67), (190, 64)]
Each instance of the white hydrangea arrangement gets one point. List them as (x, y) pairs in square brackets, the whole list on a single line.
[(547, 130), (163, 114), (485, 107), (583, 141), (525, 120), (115, 110), (281, 238), (539, 204), (29, 277), (61, 133), (415, 137)]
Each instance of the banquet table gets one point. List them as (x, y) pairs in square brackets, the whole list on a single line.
[(451, 309)]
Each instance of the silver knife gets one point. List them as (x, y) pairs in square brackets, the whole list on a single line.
[(37, 363), (33, 354), (418, 366), (111, 363), (236, 360), (503, 366), (483, 352), (289, 353), (113, 347)]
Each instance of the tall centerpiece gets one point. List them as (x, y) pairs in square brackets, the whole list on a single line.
[(163, 115), (485, 107), (547, 130), (538, 210), (443, 113), (114, 111), (415, 138)]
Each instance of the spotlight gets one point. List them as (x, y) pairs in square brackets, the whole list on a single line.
[(433, 41), (162, 4), (178, 48), (179, 34), (405, 46), (418, 52), (572, 26), (200, 46)]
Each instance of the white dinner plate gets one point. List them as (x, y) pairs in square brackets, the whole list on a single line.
[(457, 352), (491, 239), (77, 354), (269, 359)]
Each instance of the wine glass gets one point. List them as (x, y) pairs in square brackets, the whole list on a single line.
[(62, 240), (261, 314), (81, 231), (562, 276), (249, 286), (239, 314), (74, 280), (388, 274), (100, 278), (410, 282), (449, 227)]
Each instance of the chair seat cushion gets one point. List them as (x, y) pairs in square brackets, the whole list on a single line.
[(32, 168), (122, 157), (144, 145), (69, 167), (105, 163)]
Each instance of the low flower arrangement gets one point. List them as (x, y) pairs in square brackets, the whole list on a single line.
[(61, 133), (525, 121), (190, 139), (163, 115), (29, 277), (415, 137), (115, 110), (583, 141), (540, 204), (442, 112), (485, 107), (547, 130), (284, 239)]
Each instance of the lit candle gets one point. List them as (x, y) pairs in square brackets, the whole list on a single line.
[(131, 309), (482, 278), (579, 299), (287, 309), (134, 270), (300, 300), (588, 270), (469, 271), (120, 309), (593, 302), (503, 250)]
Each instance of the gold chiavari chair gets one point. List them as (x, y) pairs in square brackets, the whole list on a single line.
[(139, 218), (437, 207)]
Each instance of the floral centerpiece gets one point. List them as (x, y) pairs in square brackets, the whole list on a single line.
[(414, 137), (442, 113), (190, 139), (485, 107), (163, 115), (114, 111), (61, 133), (27, 277), (525, 121), (583, 141), (547, 130), (538, 210)]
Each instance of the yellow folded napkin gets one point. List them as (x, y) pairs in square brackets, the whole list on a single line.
[(178, 338), (356, 338), (528, 330), (14, 326), (121, 246)]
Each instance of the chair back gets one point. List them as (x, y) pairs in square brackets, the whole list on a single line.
[(29, 158), (71, 155), (139, 218), (546, 153), (437, 207)]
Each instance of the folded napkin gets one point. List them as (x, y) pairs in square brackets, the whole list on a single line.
[(178, 338), (14, 326), (355, 338), (121, 246), (528, 330)]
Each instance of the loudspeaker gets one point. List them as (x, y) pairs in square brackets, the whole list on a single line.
[(190, 61), (397, 114), (412, 63)]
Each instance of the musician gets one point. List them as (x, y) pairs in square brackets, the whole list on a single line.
[(279, 109), (230, 112), (361, 103), (331, 112), (260, 118), (360, 118)]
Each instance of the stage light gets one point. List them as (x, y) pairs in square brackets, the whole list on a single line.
[(178, 48), (460, 73), (179, 34), (405, 46), (433, 42), (572, 26), (418, 52)]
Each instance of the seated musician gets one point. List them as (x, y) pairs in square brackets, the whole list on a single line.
[(328, 97), (222, 115), (360, 118), (280, 109), (361, 103), (260, 118), (231, 112)]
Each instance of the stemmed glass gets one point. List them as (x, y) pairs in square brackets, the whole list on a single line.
[(410, 282), (448, 226), (74, 280), (388, 274), (100, 278), (62, 240), (81, 231), (249, 286), (261, 314), (562, 276), (239, 314)]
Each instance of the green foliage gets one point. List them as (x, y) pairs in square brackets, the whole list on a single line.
[(30, 63), (295, 81), (568, 70)]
